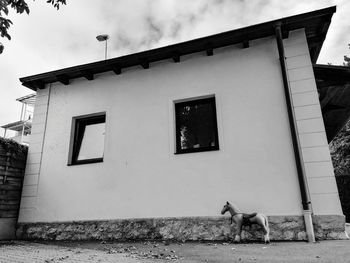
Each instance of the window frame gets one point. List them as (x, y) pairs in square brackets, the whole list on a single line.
[(78, 124), (191, 102)]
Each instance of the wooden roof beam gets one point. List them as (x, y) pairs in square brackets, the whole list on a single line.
[(209, 48), (176, 58), (35, 84), (88, 75), (285, 33), (117, 70), (324, 27), (210, 52), (145, 64), (38, 84), (245, 44), (314, 41), (63, 79)]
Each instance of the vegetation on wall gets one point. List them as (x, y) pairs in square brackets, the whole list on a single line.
[(340, 151), (12, 165), (11, 146)]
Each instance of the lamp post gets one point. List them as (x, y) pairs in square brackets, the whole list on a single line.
[(103, 38)]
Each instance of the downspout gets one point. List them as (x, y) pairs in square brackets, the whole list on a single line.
[(304, 191)]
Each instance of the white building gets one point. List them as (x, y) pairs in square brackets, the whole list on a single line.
[(19, 131), (152, 144)]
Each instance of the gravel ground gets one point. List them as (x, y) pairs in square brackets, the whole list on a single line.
[(325, 251)]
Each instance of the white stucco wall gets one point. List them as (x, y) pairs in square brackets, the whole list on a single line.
[(140, 175), (311, 130)]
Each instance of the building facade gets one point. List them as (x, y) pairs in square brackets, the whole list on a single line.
[(151, 145)]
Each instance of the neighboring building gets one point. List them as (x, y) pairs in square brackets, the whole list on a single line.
[(333, 84), (19, 131), (152, 144)]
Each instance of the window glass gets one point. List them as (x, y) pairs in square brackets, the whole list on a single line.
[(196, 127), (87, 143), (92, 144)]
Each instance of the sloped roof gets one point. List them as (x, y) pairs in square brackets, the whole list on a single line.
[(316, 25)]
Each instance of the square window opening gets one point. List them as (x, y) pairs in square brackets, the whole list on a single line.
[(196, 126), (87, 141)]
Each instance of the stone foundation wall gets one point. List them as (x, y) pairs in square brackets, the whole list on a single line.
[(181, 229), (329, 227)]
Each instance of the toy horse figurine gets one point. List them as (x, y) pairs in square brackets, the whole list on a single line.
[(242, 219)]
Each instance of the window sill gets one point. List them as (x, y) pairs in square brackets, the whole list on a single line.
[(87, 161), (209, 149)]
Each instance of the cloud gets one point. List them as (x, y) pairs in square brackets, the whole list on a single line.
[(336, 43)]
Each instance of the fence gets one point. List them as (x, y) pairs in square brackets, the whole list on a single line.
[(343, 183), (12, 165)]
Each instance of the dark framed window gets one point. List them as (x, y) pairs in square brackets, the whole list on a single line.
[(87, 139), (196, 126)]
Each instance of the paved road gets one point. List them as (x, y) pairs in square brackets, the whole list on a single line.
[(46, 253), (145, 252)]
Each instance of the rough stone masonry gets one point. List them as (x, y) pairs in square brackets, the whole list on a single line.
[(182, 229)]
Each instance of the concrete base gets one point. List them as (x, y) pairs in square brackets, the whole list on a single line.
[(182, 229), (8, 228), (309, 226)]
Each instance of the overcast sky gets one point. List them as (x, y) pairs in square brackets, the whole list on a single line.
[(48, 39)]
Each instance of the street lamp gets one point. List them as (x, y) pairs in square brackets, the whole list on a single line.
[(103, 38)]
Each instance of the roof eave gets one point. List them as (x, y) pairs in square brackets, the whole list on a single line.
[(175, 51)]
